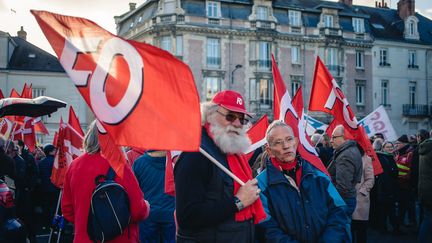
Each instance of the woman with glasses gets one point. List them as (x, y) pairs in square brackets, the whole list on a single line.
[(386, 188)]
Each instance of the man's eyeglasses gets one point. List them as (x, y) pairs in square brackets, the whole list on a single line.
[(336, 136), (231, 117), (281, 142)]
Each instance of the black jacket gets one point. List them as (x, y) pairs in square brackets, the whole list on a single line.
[(205, 207), (346, 169), (425, 173), (386, 184)]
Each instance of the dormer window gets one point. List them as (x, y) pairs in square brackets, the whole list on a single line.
[(411, 28), (213, 9), (262, 13), (358, 25), (328, 21), (294, 18)]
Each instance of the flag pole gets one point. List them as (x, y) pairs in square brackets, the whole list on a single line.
[(223, 168)]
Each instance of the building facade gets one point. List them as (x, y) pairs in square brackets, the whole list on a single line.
[(228, 45), (21, 62)]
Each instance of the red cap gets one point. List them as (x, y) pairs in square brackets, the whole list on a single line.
[(231, 100)]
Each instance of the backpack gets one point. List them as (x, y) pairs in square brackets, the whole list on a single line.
[(109, 212)]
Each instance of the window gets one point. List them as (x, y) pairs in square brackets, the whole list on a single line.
[(131, 25), (384, 92), (140, 19), (411, 27), (412, 59), (264, 55), (261, 92), (328, 21), (166, 43), (358, 25), (294, 18), (213, 52), (360, 89), (412, 93), (36, 92), (295, 85), (212, 9), (179, 45), (384, 57), (295, 54), (331, 58), (262, 13), (213, 85), (359, 59)]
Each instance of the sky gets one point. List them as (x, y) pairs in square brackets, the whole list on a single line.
[(16, 13)]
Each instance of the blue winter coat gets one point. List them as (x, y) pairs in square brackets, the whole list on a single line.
[(314, 213)]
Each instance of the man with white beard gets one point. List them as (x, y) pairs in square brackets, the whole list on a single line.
[(210, 206)]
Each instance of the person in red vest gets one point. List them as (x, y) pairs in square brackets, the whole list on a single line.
[(79, 185)]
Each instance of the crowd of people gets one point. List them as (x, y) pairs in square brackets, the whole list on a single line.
[(277, 196)]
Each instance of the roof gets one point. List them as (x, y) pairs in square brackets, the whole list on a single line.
[(386, 24), (29, 57)]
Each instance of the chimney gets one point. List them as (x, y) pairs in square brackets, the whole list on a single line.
[(346, 2), (132, 6), (22, 34), (406, 8)]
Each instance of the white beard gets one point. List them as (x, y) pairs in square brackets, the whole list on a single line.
[(230, 143)]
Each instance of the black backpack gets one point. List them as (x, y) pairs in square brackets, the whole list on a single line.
[(109, 212)]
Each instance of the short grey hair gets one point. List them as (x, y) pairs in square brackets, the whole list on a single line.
[(91, 140), (207, 109), (274, 124)]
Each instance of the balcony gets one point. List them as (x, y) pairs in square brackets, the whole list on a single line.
[(168, 19), (263, 24), (328, 31), (214, 62), (261, 64), (213, 21), (335, 68), (413, 66), (415, 110)]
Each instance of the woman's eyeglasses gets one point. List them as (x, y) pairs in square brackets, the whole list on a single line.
[(231, 117)]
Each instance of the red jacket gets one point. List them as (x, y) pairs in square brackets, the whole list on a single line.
[(78, 187)]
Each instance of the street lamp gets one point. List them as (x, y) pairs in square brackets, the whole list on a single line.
[(238, 66)]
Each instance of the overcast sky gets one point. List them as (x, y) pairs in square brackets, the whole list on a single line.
[(16, 13)]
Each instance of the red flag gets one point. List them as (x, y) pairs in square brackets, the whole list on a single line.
[(28, 133), (55, 138), (1, 94), (27, 91), (68, 145), (257, 136), (171, 159), (6, 127), (285, 110), (74, 121), (39, 126), (326, 96), (127, 83), (14, 94)]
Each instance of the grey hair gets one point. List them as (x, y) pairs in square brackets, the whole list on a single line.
[(207, 109), (91, 140), (274, 124), (317, 138), (378, 144)]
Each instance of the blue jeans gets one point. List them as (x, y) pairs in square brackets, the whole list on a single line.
[(425, 231), (157, 232), (351, 205)]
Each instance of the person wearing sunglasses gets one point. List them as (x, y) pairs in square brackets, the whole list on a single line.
[(210, 206), (346, 167), (301, 203)]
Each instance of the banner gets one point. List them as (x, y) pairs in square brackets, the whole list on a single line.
[(378, 122)]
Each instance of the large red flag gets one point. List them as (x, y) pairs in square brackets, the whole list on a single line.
[(74, 121), (326, 96), (39, 126), (284, 109), (27, 91), (142, 96)]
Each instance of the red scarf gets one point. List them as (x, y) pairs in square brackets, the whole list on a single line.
[(288, 166), (239, 167)]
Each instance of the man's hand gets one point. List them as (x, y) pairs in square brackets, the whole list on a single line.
[(248, 193)]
